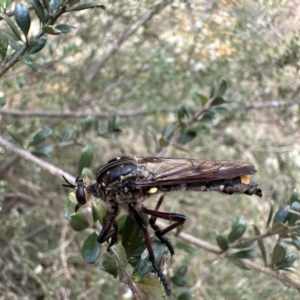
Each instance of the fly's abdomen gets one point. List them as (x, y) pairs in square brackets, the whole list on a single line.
[(242, 184)]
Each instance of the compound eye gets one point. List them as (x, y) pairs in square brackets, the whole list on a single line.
[(79, 179), (80, 195)]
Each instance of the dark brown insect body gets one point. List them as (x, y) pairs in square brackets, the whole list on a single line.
[(129, 180)]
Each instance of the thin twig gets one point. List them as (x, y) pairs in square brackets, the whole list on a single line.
[(125, 36), (129, 113), (251, 264), (35, 160)]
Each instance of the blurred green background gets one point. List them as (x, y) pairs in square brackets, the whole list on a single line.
[(122, 82)]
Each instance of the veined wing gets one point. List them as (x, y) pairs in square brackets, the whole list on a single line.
[(169, 171)]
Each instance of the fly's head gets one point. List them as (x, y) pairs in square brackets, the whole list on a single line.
[(80, 191)]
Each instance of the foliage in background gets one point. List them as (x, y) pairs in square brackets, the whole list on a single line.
[(147, 78)]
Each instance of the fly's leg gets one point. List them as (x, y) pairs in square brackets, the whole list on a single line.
[(106, 231), (178, 219), (135, 215)]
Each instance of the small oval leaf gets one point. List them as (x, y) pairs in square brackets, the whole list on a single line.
[(12, 26), (222, 242), (15, 134), (49, 29), (238, 229), (222, 88), (90, 250), (38, 10), (40, 137), (179, 280), (131, 236), (152, 287), (187, 295), (79, 222), (42, 151), (287, 262), (261, 245), (181, 271), (64, 28), (86, 158), (109, 265), (37, 45), (279, 253), (281, 215), (22, 17), (120, 254)]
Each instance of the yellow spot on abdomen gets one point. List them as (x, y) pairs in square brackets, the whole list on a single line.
[(152, 190), (245, 179)]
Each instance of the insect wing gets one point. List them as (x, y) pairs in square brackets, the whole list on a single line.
[(169, 171)]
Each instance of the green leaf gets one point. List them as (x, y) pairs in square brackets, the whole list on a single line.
[(109, 265), (238, 262), (292, 218), (222, 242), (37, 45), (279, 253), (287, 262), (39, 10), (5, 4), (179, 280), (54, 5), (186, 137), (2, 101), (278, 227), (131, 236), (188, 248), (64, 28), (163, 142), (86, 158), (182, 270), (15, 134), (40, 137), (261, 245), (90, 250), (69, 205), (270, 214), (245, 254), (98, 213), (25, 59), (79, 222), (87, 123), (87, 173), (22, 17), (238, 229), (212, 90), (86, 6), (222, 88), (67, 135), (46, 5), (187, 295), (203, 99), (49, 29), (294, 196), (12, 26), (296, 242), (3, 45), (145, 266), (218, 101), (151, 287), (120, 254), (281, 215), (42, 151)]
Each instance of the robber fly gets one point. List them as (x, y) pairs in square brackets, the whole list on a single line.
[(127, 181)]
